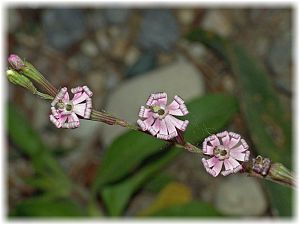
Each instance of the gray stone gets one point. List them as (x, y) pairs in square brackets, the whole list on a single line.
[(186, 16), (80, 62), (179, 78), (217, 22), (145, 63), (280, 59), (63, 27), (96, 20), (159, 30), (240, 196), (89, 48), (132, 55), (280, 54), (116, 15), (103, 40), (14, 20)]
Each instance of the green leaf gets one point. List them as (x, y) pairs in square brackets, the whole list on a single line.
[(125, 154), (117, 196), (49, 175), (191, 209), (281, 197), (209, 112), (21, 133), (158, 182), (51, 184), (47, 207), (269, 124)]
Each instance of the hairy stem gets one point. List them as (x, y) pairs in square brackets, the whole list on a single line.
[(258, 167)]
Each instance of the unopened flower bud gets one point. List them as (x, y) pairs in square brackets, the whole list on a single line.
[(16, 62), (281, 174), (18, 79), (28, 70)]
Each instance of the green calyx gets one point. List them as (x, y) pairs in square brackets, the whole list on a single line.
[(19, 79)]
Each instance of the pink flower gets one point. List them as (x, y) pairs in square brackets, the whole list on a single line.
[(158, 118), (225, 148), (65, 111), (16, 62)]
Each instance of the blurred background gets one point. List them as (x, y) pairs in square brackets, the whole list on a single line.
[(124, 55)]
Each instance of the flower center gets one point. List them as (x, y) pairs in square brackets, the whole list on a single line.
[(69, 107), (221, 152), (60, 104), (161, 112)]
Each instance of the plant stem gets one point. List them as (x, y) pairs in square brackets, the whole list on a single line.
[(278, 173)]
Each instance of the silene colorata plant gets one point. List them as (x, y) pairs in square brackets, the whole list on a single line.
[(225, 153)]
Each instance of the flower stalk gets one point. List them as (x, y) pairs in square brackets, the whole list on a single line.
[(220, 146), (28, 70)]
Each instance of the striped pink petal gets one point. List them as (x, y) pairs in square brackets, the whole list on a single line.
[(214, 141), (217, 168), (207, 149), (80, 98), (163, 132), (79, 109), (155, 127), (171, 128), (224, 137), (234, 139)]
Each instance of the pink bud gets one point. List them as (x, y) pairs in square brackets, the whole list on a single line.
[(16, 62)]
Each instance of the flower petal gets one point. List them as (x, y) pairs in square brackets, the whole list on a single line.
[(155, 127), (238, 155), (228, 168), (66, 97), (176, 109), (79, 109), (80, 98), (161, 98), (73, 117), (224, 137), (227, 165), (73, 122), (87, 91), (171, 128), (141, 124), (178, 99), (173, 106), (59, 96), (55, 121), (163, 132), (214, 140), (207, 149), (176, 112), (145, 113), (181, 125), (234, 140), (233, 162), (77, 89), (217, 167), (239, 148), (212, 161), (146, 123)]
